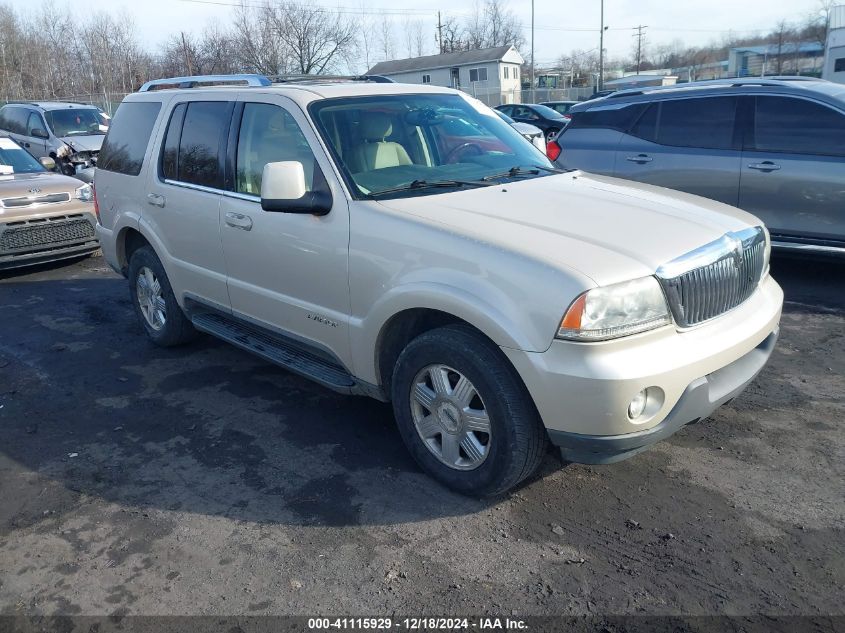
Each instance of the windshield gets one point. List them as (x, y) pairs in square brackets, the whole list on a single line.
[(16, 160), (411, 144), (547, 112), (74, 121), (562, 107)]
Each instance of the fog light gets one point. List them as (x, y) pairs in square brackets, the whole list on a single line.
[(637, 406)]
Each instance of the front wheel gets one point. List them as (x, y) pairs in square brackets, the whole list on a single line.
[(464, 414)]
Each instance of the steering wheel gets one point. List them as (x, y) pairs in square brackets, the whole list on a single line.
[(461, 149)]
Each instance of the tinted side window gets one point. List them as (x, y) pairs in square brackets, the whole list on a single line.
[(798, 126), (646, 126), (203, 132), (15, 119), (610, 118), (839, 65), (170, 152), (269, 134), (704, 122), (128, 136)]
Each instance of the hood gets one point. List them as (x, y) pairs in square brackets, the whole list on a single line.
[(85, 143), (606, 228)]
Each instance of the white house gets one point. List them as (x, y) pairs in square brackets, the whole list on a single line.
[(489, 74), (834, 55)]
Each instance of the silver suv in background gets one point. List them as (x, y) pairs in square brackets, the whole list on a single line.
[(69, 133), (772, 147)]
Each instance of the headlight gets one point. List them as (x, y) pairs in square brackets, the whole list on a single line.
[(84, 193), (613, 311)]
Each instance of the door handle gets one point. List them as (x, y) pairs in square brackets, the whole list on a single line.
[(640, 158), (26, 144), (766, 165), (238, 221), (155, 200)]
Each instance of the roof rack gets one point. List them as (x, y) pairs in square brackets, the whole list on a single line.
[(198, 80), (285, 79), (730, 82), (252, 80)]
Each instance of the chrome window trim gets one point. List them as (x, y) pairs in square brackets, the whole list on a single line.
[(212, 190)]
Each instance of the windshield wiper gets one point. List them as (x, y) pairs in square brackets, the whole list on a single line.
[(517, 171), (431, 184)]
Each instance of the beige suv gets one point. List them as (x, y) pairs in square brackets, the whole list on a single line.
[(44, 216), (345, 231)]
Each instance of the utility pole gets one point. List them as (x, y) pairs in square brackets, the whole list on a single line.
[(600, 82), (187, 56), (640, 34), (440, 32), (533, 80)]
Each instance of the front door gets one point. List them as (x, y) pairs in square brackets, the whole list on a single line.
[(287, 271), (37, 144), (793, 171)]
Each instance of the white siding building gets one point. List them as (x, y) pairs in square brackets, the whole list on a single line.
[(489, 74), (834, 57)]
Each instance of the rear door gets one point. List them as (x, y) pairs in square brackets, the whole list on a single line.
[(793, 167), (183, 199), (690, 144)]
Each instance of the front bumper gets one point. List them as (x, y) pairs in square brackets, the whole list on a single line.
[(700, 399), (584, 389), (47, 238)]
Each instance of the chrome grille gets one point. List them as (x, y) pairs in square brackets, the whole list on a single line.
[(28, 201), (715, 278), (45, 233)]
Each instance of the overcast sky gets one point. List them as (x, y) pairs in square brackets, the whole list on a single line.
[(561, 25)]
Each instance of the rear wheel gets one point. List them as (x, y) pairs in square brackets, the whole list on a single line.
[(154, 302), (464, 414)]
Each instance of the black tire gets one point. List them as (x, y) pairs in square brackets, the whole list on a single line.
[(518, 440), (551, 133), (176, 329)]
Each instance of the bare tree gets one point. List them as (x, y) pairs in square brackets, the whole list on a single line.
[(414, 32), (386, 40)]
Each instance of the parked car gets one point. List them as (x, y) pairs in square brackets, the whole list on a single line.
[(774, 147), (44, 216), (69, 133), (561, 107), (497, 303), (548, 120), (531, 132)]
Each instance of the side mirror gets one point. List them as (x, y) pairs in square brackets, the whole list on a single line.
[(283, 189), (48, 163), (39, 133)]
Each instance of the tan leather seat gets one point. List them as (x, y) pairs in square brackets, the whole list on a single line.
[(376, 152)]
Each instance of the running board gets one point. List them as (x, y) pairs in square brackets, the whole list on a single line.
[(277, 350)]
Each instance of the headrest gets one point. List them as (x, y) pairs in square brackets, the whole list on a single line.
[(376, 126)]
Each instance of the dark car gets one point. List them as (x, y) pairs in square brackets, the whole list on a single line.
[(548, 120), (774, 147)]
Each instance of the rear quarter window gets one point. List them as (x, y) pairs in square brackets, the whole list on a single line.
[(128, 137)]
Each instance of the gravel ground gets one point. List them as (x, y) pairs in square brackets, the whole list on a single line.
[(201, 480)]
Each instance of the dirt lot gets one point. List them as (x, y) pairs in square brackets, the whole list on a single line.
[(200, 480)]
